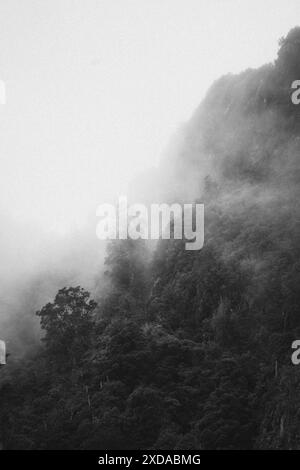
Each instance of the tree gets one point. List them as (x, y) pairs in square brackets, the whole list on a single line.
[(68, 324)]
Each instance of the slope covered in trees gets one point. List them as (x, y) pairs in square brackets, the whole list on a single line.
[(187, 350)]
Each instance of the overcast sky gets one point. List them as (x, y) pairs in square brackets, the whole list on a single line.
[(95, 88)]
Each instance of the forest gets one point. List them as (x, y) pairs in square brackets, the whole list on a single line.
[(185, 349)]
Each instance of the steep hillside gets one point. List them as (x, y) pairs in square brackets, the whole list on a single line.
[(187, 350)]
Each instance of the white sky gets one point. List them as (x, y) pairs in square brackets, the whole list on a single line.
[(95, 88)]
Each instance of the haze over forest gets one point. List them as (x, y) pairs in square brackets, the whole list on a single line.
[(174, 349)]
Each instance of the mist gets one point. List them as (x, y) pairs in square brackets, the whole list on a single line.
[(97, 100)]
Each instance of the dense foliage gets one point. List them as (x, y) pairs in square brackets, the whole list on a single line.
[(187, 350)]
